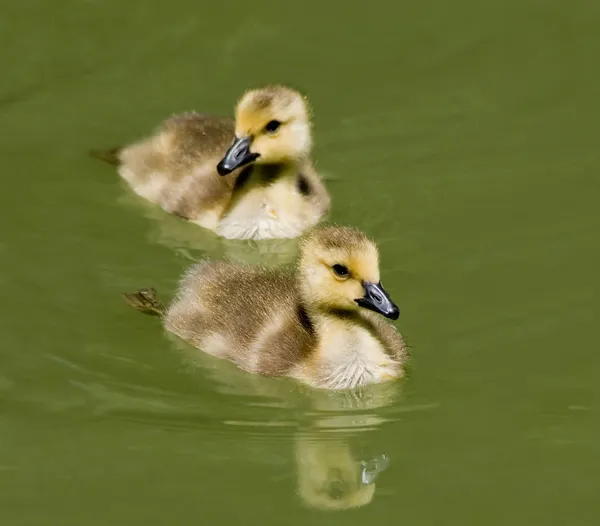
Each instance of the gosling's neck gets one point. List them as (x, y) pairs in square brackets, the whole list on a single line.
[(322, 313), (314, 305), (318, 312), (265, 174), (273, 169)]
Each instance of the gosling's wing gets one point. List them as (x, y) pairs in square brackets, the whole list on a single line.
[(243, 313), (183, 140), (176, 167), (197, 138), (196, 309)]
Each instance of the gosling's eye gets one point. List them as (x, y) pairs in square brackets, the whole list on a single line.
[(341, 271), (272, 126)]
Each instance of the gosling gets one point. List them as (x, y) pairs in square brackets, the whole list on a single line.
[(248, 179), (321, 323)]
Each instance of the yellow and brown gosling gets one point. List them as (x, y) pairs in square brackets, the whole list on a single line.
[(322, 323), (251, 178)]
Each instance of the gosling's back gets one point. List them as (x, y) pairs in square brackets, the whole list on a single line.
[(176, 167), (249, 315)]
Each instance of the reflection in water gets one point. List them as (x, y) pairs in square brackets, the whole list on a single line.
[(371, 469), (193, 242), (330, 475)]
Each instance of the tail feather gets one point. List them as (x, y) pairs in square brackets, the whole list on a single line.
[(146, 301), (108, 156)]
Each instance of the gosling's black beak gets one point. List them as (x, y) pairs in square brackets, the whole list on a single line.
[(378, 300), (238, 155)]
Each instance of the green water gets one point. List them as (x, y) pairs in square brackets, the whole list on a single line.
[(463, 136)]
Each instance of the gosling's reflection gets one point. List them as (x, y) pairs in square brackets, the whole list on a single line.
[(331, 477), (332, 473), (192, 242)]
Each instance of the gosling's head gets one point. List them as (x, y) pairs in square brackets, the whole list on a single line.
[(339, 268), (272, 125)]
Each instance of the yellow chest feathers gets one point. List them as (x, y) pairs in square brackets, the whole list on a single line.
[(276, 209), (348, 356)]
